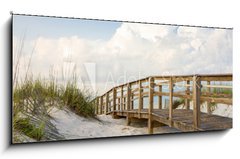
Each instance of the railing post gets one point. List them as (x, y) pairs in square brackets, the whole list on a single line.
[(208, 103), (114, 99), (107, 102), (122, 98), (150, 108), (170, 101), (160, 98), (196, 101), (132, 97), (101, 104), (187, 101), (128, 103), (97, 105), (140, 100), (119, 102)]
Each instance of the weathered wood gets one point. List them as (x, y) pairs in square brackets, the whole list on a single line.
[(208, 103), (122, 98), (216, 78), (150, 108), (97, 105), (114, 99), (196, 101), (101, 104), (216, 86), (160, 98), (182, 119), (140, 99), (187, 101), (128, 102), (119, 104), (170, 101), (209, 98), (107, 102)]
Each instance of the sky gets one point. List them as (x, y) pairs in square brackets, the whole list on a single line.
[(104, 54)]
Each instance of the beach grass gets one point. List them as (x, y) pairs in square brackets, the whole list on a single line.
[(35, 97)]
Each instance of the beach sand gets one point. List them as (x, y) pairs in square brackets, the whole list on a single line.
[(73, 126)]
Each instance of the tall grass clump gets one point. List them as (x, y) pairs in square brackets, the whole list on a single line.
[(33, 101), (77, 101), (31, 111)]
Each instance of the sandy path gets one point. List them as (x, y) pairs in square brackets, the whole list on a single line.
[(73, 126)]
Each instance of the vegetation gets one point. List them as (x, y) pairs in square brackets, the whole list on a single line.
[(34, 98), (29, 129), (178, 102)]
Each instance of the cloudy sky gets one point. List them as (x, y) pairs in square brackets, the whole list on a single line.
[(106, 53)]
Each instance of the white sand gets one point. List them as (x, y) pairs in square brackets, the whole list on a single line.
[(73, 126)]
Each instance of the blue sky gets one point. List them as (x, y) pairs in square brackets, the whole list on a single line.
[(120, 49), (63, 27)]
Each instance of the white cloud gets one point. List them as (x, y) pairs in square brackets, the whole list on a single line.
[(138, 50)]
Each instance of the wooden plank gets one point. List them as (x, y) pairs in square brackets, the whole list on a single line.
[(135, 90), (161, 93), (208, 77), (170, 101), (107, 102), (97, 104), (187, 101), (114, 99), (216, 86), (119, 104), (216, 78), (140, 99), (101, 104), (128, 97), (160, 98), (150, 108), (122, 98), (131, 97), (208, 103), (196, 101)]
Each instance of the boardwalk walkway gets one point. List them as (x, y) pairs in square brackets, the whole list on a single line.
[(127, 100)]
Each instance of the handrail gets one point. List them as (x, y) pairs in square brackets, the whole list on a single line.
[(125, 101)]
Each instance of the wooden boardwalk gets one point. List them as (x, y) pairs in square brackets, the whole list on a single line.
[(127, 100)]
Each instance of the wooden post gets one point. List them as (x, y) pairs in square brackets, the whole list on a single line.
[(196, 101), (170, 107), (122, 100), (101, 104), (107, 102), (187, 101), (132, 97), (150, 108), (97, 105), (119, 104), (114, 99), (160, 98), (128, 103), (114, 102), (208, 103), (140, 99)]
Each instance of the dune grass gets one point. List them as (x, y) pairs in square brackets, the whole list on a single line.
[(34, 99)]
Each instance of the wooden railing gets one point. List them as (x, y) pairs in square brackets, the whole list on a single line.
[(195, 88)]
